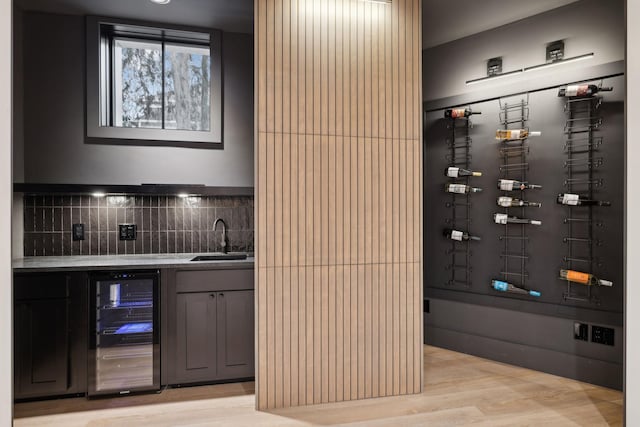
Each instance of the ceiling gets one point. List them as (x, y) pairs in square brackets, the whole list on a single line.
[(445, 21), (225, 15)]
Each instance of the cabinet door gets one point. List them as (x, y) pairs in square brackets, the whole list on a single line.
[(235, 334), (41, 347), (196, 337)]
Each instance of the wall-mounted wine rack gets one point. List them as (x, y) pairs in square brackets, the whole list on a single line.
[(514, 165), (459, 155), (582, 162)]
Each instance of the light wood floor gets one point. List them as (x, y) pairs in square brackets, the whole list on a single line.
[(459, 390)]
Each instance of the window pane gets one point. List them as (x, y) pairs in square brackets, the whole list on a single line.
[(187, 90), (137, 84)]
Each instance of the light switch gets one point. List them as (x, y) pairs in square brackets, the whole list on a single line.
[(77, 232)]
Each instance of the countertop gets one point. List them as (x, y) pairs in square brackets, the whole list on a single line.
[(111, 262)]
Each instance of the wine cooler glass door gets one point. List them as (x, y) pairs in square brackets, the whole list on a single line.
[(124, 353)]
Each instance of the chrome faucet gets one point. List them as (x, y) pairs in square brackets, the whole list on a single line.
[(225, 241)]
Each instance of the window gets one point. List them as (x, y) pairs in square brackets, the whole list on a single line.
[(150, 85)]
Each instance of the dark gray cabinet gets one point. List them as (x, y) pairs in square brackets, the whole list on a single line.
[(41, 347), (211, 330), (235, 334), (48, 323), (196, 339)]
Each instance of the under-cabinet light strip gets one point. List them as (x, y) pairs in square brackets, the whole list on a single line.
[(494, 77), (532, 68), (561, 62)]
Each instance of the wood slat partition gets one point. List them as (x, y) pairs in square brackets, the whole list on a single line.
[(338, 201)]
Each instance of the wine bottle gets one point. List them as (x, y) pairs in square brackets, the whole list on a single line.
[(510, 185), (453, 172), (582, 91), (583, 278), (458, 235), (501, 286), (576, 200), (461, 189), (512, 134), (504, 219), (510, 202), (456, 113)]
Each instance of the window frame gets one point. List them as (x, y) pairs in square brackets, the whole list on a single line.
[(98, 45)]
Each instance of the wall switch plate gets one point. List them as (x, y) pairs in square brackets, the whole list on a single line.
[(555, 51), (494, 66), (128, 231), (581, 331), (602, 335), (77, 231)]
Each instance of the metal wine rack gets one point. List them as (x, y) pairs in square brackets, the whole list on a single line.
[(514, 165), (459, 147), (582, 162)]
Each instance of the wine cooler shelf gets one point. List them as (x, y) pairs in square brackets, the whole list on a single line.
[(519, 201)]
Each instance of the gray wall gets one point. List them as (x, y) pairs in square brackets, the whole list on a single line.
[(517, 330), (586, 26), (54, 104), (18, 96), (17, 218)]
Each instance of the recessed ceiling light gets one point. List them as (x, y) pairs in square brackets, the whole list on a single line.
[(160, 1)]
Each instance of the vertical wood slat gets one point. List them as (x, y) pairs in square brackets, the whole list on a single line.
[(402, 76), (300, 69), (261, 333), (418, 207), (278, 333), (309, 331), (309, 71), (260, 244), (286, 66), (332, 237), (317, 331), (278, 67), (338, 201), (382, 207), (293, 61), (352, 18), (331, 67)]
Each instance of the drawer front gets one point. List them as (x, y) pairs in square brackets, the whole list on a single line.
[(214, 280), (41, 286)]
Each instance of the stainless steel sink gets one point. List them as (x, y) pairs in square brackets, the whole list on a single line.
[(219, 257)]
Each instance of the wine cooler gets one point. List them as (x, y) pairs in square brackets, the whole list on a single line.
[(124, 344)]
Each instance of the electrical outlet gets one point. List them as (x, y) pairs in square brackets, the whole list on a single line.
[(77, 232), (128, 231), (602, 335), (581, 331)]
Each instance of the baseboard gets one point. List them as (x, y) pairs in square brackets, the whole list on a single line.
[(602, 373)]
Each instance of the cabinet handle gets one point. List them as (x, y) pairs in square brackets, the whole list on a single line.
[(221, 295), (212, 295)]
